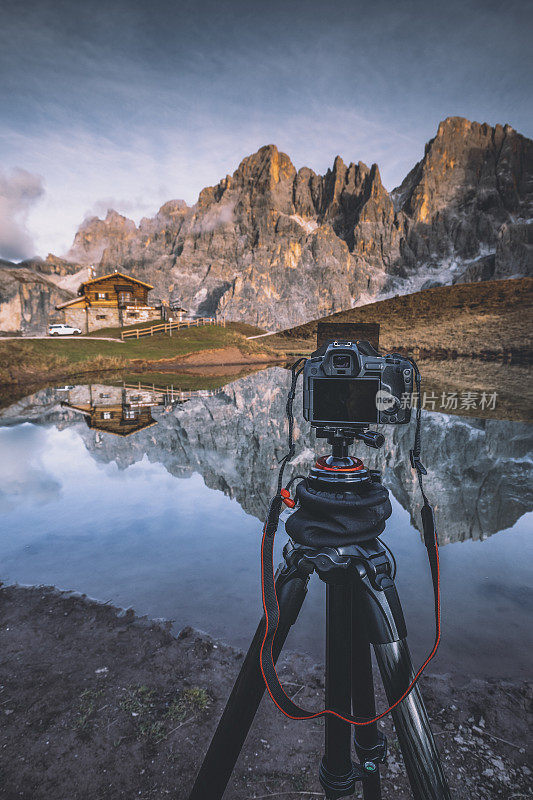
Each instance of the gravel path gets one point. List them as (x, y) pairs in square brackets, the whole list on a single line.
[(60, 338)]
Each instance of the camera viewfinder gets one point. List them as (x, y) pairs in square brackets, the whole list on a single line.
[(342, 361)]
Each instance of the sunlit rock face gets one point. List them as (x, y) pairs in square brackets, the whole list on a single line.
[(479, 471), (278, 246), (473, 184)]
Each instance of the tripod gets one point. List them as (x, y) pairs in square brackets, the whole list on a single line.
[(362, 609)]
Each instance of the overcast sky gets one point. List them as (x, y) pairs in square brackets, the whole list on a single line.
[(127, 104)]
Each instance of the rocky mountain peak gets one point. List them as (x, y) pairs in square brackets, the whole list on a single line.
[(336, 185), (27, 296), (172, 211), (275, 246), (264, 181), (472, 179), (114, 219), (464, 163), (460, 128), (51, 265), (94, 233), (172, 207), (166, 222), (265, 169)]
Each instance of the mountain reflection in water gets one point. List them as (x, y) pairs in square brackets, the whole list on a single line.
[(479, 478), (479, 471)]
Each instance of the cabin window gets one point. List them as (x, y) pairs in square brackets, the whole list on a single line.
[(124, 297), (101, 295), (107, 414), (101, 316), (133, 314), (129, 414)]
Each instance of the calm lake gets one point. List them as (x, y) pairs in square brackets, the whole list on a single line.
[(149, 498)]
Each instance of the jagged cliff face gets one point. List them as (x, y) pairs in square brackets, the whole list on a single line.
[(27, 298), (479, 471), (30, 291), (266, 244), (276, 246), (51, 265), (472, 191)]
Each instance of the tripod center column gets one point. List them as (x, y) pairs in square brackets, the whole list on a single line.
[(336, 770)]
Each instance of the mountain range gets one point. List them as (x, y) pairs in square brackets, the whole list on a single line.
[(276, 246)]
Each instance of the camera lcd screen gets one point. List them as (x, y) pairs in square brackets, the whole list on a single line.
[(352, 400)]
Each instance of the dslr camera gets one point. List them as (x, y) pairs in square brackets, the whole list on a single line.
[(349, 385)]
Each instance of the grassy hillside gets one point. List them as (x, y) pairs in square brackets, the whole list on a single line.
[(490, 319), (236, 327), (25, 360)]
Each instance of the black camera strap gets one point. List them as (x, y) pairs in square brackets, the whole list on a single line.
[(270, 600)]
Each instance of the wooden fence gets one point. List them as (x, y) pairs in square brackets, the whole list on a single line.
[(169, 393), (169, 327)]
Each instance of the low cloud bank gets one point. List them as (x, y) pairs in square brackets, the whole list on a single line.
[(19, 191)]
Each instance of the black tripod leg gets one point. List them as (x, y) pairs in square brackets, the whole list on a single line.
[(386, 630), (246, 695), (336, 770), (369, 742), (416, 740)]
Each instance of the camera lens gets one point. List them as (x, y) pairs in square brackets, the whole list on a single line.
[(342, 362)]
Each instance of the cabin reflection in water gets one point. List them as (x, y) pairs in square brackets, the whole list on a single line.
[(123, 410), (116, 409)]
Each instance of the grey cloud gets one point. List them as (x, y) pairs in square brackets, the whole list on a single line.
[(22, 471), (215, 218), (19, 190)]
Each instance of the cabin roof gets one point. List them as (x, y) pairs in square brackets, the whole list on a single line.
[(120, 275), (117, 275), (100, 425)]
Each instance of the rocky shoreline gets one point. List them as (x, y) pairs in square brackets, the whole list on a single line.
[(97, 703)]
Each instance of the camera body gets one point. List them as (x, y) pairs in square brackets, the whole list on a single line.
[(349, 385)]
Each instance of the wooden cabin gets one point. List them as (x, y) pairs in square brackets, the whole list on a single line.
[(113, 409), (110, 301), (177, 313), (119, 420)]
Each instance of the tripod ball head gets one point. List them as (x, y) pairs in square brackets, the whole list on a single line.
[(344, 437)]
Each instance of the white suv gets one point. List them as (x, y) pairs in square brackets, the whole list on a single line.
[(62, 330)]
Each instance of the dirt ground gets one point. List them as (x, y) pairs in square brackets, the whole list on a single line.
[(96, 704), (218, 358), (485, 318)]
